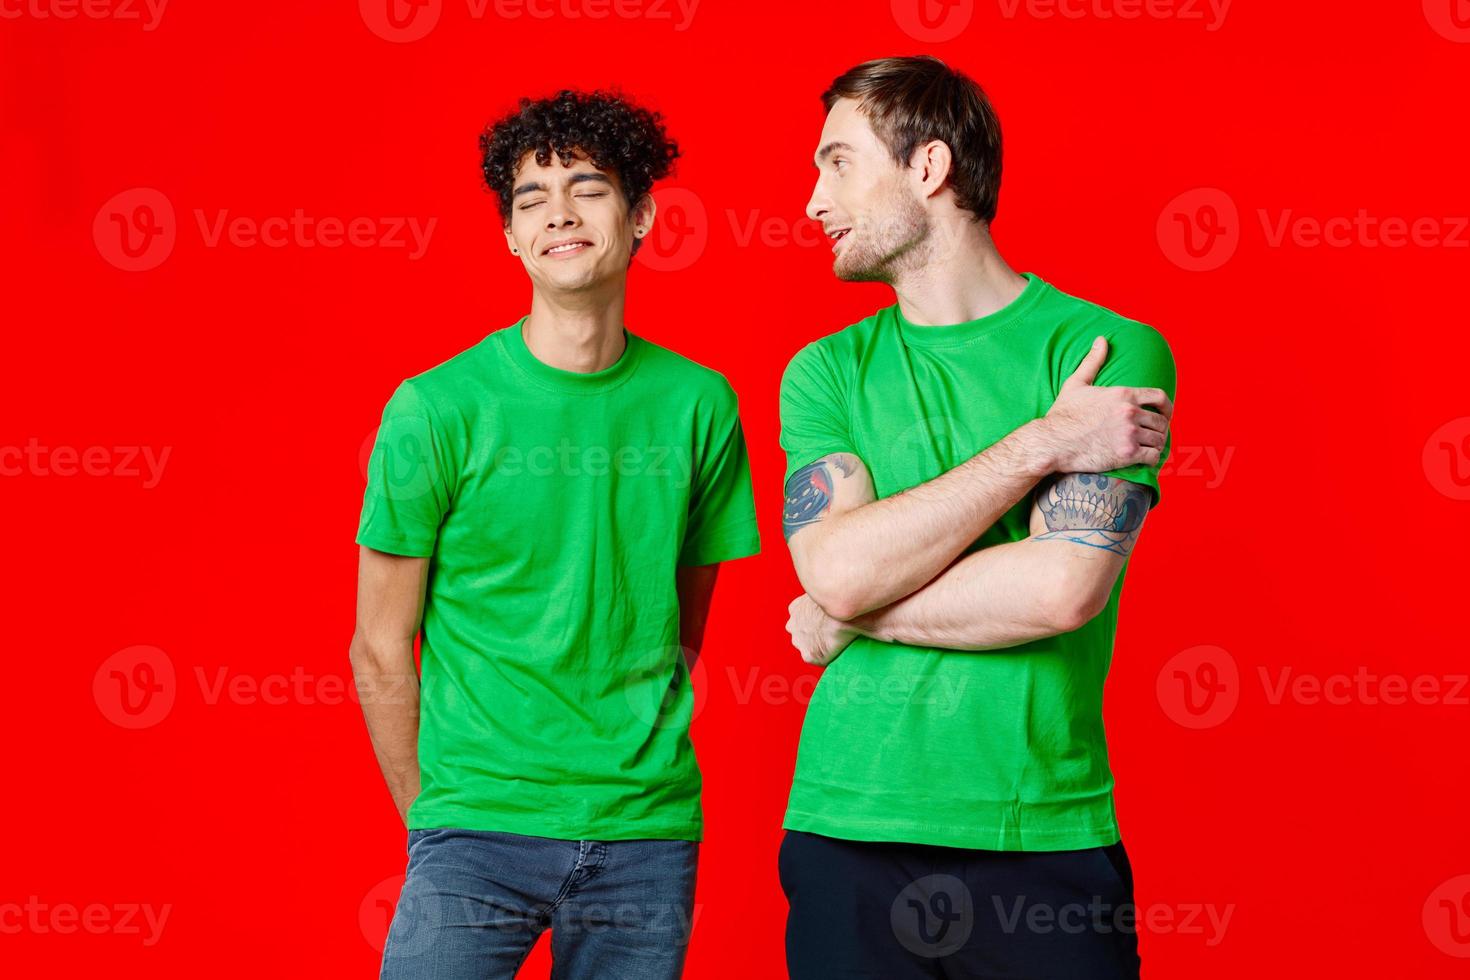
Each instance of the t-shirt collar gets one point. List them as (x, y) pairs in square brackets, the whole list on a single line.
[(953, 334), (573, 381)]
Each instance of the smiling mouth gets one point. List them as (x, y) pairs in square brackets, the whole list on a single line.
[(838, 236), (567, 248)]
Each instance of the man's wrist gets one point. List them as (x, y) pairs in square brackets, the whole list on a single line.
[(1030, 451), (869, 624)]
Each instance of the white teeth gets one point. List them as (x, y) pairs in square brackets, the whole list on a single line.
[(565, 248)]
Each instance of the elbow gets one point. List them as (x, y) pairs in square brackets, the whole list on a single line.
[(840, 596), (841, 605), (369, 656), (837, 586), (1074, 603), (360, 653)]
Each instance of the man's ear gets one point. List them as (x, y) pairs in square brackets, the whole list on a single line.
[(642, 216), (510, 242), (931, 164)]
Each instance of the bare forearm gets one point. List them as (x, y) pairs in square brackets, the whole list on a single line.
[(873, 555), (388, 688), (995, 598)]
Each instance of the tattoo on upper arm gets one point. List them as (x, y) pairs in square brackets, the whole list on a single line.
[(809, 493), (1092, 509)]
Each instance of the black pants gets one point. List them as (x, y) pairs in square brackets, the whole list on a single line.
[(900, 911)]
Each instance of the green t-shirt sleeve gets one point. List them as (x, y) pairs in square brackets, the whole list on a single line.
[(813, 411), (1139, 357), (722, 525), (408, 489)]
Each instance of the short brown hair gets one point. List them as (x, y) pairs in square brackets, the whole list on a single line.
[(912, 100)]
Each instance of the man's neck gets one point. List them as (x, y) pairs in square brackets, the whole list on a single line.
[(582, 333), (959, 276)]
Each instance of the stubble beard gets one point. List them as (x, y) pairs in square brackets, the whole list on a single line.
[(891, 244)]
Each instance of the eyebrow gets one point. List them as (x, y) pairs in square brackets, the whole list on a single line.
[(828, 150), (577, 178)]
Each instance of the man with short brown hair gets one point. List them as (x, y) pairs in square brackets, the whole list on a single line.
[(961, 502)]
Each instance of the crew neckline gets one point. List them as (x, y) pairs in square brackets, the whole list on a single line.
[(952, 334), (575, 381)]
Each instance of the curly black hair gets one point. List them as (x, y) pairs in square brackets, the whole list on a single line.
[(613, 133)]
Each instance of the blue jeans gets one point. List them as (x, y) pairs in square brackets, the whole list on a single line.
[(475, 901)]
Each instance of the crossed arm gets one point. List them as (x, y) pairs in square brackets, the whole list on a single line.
[(1083, 527)]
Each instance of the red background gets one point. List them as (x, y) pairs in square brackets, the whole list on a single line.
[(1330, 544)]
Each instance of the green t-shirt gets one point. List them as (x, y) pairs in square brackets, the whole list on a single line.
[(1003, 749), (556, 505)]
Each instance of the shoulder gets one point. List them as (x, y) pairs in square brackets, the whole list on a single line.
[(681, 376), (1080, 320), (834, 356), (442, 390)]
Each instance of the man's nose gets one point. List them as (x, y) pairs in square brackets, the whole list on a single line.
[(561, 215), (817, 207)]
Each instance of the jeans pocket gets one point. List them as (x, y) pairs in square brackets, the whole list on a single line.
[(1117, 856)]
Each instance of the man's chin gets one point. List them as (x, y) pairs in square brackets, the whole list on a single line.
[(854, 272), (578, 281)]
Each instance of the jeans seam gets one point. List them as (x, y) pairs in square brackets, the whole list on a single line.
[(566, 886), (598, 850)]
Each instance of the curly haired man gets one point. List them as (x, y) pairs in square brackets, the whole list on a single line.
[(550, 508)]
